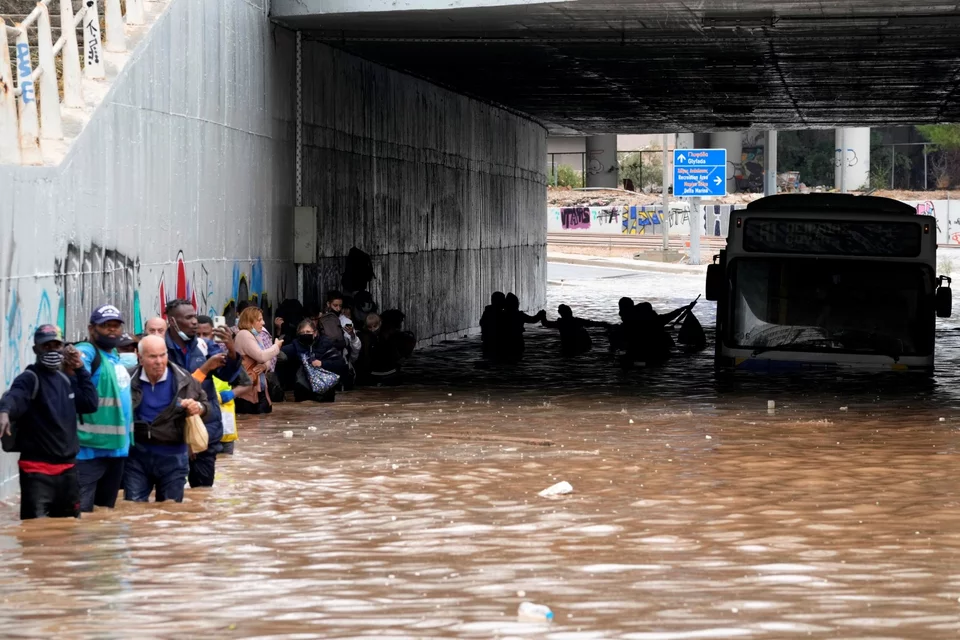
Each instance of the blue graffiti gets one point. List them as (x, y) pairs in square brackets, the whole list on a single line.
[(14, 320), (236, 281), (25, 71), (44, 313), (256, 277)]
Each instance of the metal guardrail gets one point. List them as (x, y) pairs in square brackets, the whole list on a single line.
[(30, 111)]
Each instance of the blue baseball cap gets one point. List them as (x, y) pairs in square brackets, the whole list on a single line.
[(105, 313), (46, 333)]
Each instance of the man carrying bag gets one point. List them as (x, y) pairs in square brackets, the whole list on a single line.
[(164, 397)]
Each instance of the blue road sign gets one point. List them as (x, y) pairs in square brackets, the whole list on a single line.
[(699, 172)]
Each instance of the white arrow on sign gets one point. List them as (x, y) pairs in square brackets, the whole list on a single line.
[(718, 181), (681, 158)]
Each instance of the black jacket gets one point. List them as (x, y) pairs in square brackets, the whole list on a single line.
[(167, 428), (47, 425), (330, 327)]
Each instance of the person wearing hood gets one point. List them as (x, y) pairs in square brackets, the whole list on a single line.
[(105, 434), (319, 351)]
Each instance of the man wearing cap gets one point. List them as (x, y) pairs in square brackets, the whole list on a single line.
[(106, 433), (43, 402), (127, 350)]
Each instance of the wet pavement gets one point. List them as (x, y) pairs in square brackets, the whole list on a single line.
[(413, 511)]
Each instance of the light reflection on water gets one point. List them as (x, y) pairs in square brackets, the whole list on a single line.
[(413, 513)]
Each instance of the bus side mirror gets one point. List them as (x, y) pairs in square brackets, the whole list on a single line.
[(715, 287), (944, 298)]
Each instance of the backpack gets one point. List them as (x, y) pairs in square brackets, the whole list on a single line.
[(9, 443)]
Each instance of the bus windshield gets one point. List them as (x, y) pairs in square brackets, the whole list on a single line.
[(852, 306)]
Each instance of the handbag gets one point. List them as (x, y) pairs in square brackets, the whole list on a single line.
[(195, 434), (321, 380)]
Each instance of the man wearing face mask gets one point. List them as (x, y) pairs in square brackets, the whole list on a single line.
[(186, 350), (106, 433), (43, 402)]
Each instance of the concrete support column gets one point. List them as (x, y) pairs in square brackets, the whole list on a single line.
[(602, 170), (701, 141), (770, 163), (732, 141), (685, 141), (855, 159)]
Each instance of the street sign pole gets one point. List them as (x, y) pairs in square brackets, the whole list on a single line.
[(664, 219), (696, 226)]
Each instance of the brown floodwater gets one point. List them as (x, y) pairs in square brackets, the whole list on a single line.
[(413, 511)]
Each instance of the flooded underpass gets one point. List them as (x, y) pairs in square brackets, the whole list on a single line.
[(696, 512)]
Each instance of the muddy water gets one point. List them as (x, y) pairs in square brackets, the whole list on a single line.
[(413, 512)]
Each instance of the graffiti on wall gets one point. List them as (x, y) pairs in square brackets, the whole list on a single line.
[(86, 278), (638, 219), (253, 290), (575, 217), (183, 289)]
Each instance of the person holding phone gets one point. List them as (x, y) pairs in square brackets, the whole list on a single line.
[(39, 412), (256, 361), (188, 351)]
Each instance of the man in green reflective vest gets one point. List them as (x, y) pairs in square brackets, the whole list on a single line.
[(105, 435)]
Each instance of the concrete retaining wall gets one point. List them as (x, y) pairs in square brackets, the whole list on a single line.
[(639, 219), (445, 193), (645, 219), (181, 185)]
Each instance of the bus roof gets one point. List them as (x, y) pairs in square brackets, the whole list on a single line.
[(821, 203)]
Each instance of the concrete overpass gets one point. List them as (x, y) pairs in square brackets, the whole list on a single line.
[(414, 130), (621, 66)]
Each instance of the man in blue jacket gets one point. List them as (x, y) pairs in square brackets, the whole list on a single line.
[(44, 401), (189, 352)]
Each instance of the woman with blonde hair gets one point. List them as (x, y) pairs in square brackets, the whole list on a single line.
[(254, 399)]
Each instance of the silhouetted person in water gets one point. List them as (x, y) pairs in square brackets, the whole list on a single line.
[(489, 323), (574, 339), (643, 334), (509, 344)]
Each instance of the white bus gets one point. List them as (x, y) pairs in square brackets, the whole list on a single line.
[(828, 280)]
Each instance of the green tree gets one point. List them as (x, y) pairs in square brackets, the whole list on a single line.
[(945, 136), (644, 168), (566, 176), (945, 155), (812, 153)]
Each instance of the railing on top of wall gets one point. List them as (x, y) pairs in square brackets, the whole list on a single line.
[(30, 111)]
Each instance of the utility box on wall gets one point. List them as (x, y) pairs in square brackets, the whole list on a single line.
[(305, 235)]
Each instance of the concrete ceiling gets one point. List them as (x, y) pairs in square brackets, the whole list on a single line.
[(615, 66)]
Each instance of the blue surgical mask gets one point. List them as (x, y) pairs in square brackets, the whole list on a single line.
[(182, 335), (129, 360)]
